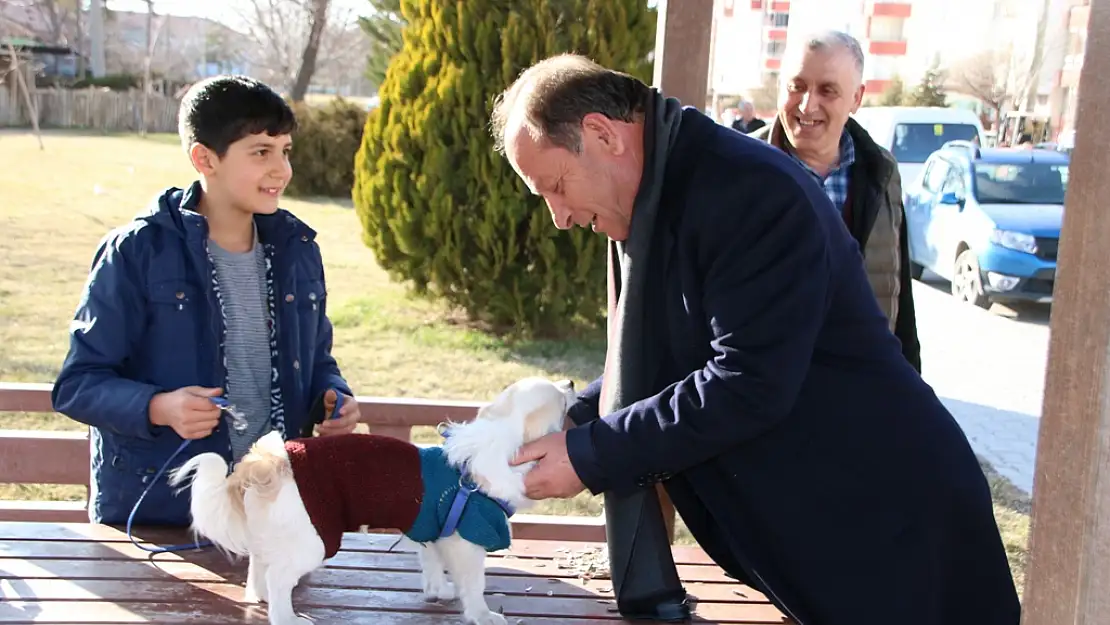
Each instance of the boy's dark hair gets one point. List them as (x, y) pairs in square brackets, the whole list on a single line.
[(219, 111)]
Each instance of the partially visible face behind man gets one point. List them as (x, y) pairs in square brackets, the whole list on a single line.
[(820, 95), (580, 189)]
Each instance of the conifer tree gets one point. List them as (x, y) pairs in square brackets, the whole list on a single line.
[(931, 91), (895, 94), (383, 27), (439, 207)]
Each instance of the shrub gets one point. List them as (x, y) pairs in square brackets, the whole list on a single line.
[(439, 207), (114, 82), (324, 148), (895, 94)]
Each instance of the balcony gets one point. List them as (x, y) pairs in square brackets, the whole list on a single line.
[(776, 33), (780, 7), (887, 48), (891, 9), (772, 64), (876, 87)]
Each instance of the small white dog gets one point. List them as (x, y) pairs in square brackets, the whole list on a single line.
[(286, 504)]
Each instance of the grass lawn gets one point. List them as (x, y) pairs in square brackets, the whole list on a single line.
[(56, 204)]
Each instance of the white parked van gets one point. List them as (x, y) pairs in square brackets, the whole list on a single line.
[(912, 133)]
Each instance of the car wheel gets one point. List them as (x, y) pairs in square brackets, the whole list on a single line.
[(916, 270), (967, 281)]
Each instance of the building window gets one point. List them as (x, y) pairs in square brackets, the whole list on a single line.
[(778, 20), (775, 49), (885, 28), (881, 67)]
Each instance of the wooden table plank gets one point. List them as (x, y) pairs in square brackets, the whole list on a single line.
[(330, 577), (45, 551), (533, 604), (106, 613), (67, 573), (378, 541)]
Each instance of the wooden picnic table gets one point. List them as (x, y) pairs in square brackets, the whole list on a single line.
[(86, 573)]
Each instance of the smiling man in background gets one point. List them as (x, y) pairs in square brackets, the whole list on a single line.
[(824, 86)]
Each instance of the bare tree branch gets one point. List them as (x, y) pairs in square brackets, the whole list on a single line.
[(291, 41), (51, 21), (995, 77)]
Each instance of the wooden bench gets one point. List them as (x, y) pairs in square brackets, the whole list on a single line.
[(50, 457), (82, 573)]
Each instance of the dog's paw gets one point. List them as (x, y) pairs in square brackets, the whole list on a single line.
[(251, 596), (439, 590), (486, 618)]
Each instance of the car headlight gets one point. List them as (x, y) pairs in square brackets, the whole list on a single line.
[(1019, 241)]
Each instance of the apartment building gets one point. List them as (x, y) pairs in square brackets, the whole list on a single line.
[(185, 49), (752, 37), (749, 41), (1066, 82)]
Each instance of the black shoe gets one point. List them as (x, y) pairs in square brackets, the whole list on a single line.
[(671, 610)]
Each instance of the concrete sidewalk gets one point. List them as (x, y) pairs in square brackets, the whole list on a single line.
[(989, 370)]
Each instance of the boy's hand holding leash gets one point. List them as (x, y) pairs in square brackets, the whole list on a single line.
[(189, 411), (341, 421)]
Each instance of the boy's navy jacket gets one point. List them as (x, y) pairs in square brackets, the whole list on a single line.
[(149, 322)]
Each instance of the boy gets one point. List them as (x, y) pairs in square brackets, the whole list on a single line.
[(212, 291)]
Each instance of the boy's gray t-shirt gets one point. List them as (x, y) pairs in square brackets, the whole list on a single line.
[(242, 281)]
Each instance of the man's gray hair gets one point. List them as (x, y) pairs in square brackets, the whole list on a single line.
[(837, 39), (554, 95)]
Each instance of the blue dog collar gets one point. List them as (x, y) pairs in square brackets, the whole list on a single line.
[(467, 487)]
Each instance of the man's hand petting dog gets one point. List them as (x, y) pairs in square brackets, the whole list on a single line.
[(347, 420), (553, 476)]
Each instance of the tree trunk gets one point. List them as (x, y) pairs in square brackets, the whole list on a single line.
[(146, 66), (81, 69), (312, 47)]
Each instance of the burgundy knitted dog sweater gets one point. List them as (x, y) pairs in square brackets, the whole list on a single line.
[(353, 480)]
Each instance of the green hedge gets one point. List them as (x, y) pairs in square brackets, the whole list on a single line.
[(440, 208), (324, 148)]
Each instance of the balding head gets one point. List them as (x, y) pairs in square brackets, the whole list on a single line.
[(573, 131), (551, 98)]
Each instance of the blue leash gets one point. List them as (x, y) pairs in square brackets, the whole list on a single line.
[(131, 517), (239, 422)]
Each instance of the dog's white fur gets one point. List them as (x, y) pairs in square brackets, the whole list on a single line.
[(257, 510)]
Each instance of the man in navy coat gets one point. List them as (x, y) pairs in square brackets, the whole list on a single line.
[(749, 367)]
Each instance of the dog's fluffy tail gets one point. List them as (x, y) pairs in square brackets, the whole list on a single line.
[(217, 505)]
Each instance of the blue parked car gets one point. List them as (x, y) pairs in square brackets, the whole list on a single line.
[(989, 221)]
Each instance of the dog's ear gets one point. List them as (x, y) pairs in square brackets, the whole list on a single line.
[(546, 407), (261, 472), (501, 406)]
